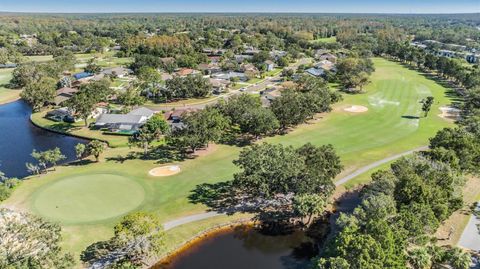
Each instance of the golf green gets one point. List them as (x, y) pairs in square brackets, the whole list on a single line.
[(88, 198)]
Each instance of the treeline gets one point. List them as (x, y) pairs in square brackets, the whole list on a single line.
[(404, 206), (244, 115)]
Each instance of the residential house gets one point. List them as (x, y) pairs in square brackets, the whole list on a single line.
[(473, 58), (229, 75), (269, 65), (209, 69), (316, 72), (325, 65), (219, 85), (249, 50), (240, 58), (60, 114), (328, 57), (120, 72), (186, 72), (446, 53), (64, 94), (277, 54), (124, 123)]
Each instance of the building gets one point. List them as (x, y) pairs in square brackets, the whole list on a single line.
[(473, 58), (446, 53), (124, 123), (325, 65), (230, 75), (120, 72), (219, 85), (328, 57), (186, 72), (64, 94), (316, 72), (82, 75), (269, 65)]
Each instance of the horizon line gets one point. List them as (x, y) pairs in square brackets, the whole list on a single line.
[(237, 12)]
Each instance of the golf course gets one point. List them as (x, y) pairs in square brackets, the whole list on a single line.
[(87, 200)]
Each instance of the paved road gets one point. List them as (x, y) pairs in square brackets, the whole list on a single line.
[(364, 169), (252, 88), (471, 237), (201, 216)]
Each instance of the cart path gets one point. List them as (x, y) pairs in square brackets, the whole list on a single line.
[(206, 215), (470, 236)]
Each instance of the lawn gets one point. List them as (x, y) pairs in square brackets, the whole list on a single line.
[(273, 72), (7, 95), (331, 39), (389, 127), (78, 129)]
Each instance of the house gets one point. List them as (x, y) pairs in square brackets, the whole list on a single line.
[(472, 58), (325, 65), (276, 54), (249, 50), (209, 69), (175, 116), (124, 123), (8, 65), (328, 57), (82, 75), (117, 72), (230, 75), (270, 65), (60, 114), (186, 72), (316, 72), (240, 58), (219, 85), (63, 94), (446, 53)]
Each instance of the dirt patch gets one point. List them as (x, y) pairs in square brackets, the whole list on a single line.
[(449, 113), (356, 109), (165, 171)]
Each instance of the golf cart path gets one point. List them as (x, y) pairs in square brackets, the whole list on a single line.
[(470, 238), (206, 215)]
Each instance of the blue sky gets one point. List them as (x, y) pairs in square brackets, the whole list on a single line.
[(311, 6)]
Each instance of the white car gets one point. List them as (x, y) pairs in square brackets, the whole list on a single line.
[(242, 89)]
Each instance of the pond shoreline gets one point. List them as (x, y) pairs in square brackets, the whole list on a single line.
[(166, 258)]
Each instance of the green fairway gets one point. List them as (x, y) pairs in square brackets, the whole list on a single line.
[(6, 94), (88, 198), (331, 39), (389, 127)]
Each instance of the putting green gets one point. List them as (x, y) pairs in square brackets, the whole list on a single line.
[(88, 198)]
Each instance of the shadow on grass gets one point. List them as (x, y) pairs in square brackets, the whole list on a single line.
[(410, 117)]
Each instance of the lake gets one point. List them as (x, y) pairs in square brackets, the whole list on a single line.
[(244, 247), (18, 138)]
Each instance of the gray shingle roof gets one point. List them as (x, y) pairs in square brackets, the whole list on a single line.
[(142, 111), (105, 119)]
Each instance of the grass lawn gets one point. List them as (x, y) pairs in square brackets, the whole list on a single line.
[(255, 80), (388, 128), (7, 95), (79, 129), (274, 72), (331, 39)]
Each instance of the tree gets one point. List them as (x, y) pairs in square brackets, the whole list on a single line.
[(95, 148), (48, 157), (308, 205), (30, 242), (82, 104), (353, 72), (273, 176), (39, 93), (150, 131), (137, 239), (199, 129), (150, 81), (80, 150), (131, 97), (419, 258), (427, 105), (92, 67), (458, 258)]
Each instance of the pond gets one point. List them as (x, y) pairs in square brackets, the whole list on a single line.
[(18, 138), (245, 247)]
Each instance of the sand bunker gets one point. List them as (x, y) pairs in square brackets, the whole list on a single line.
[(356, 109), (450, 113), (165, 171)]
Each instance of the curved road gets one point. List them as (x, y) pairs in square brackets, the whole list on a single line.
[(206, 215)]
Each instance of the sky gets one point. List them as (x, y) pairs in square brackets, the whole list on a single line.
[(297, 6)]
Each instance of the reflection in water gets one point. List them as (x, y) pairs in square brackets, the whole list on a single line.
[(244, 247), (18, 138)]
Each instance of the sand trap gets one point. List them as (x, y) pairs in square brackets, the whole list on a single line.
[(450, 113), (165, 171), (356, 109)]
